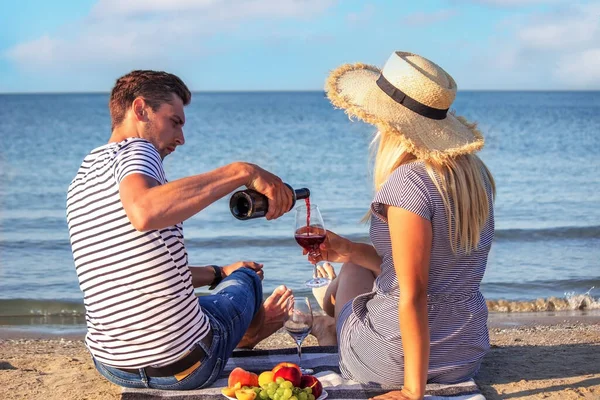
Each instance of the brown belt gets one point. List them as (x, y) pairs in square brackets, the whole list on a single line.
[(197, 354)]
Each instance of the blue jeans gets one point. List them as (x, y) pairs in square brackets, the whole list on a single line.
[(231, 308)]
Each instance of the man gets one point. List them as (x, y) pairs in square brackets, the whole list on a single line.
[(146, 328)]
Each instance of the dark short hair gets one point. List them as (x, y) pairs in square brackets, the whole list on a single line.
[(156, 87)]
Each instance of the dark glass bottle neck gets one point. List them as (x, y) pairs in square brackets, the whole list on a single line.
[(302, 193), (248, 204)]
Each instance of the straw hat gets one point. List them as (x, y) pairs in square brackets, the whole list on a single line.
[(410, 97)]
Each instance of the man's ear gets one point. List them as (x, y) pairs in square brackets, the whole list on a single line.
[(139, 108)]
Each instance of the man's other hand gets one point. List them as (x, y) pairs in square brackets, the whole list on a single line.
[(228, 269)]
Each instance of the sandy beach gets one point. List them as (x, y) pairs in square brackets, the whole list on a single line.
[(544, 357)]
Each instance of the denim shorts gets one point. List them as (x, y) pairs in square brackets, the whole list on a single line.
[(230, 309)]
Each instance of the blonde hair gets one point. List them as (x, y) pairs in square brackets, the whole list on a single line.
[(461, 182)]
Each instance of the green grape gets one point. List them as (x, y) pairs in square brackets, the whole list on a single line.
[(302, 396), (293, 398), (282, 397), (273, 386), (276, 396), (279, 380), (280, 391), (264, 395), (308, 390), (271, 392), (287, 384), (311, 397), (287, 393)]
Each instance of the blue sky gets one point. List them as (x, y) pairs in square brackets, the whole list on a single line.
[(84, 45)]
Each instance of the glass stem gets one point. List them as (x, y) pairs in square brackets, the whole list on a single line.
[(299, 345), (315, 271)]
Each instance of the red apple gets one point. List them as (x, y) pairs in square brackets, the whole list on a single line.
[(288, 371), (243, 377), (313, 383)]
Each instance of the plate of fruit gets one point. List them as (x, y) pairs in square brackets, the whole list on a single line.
[(284, 382)]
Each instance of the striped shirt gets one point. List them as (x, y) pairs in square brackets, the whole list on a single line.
[(140, 304), (370, 338)]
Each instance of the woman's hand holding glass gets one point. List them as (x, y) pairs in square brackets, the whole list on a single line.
[(335, 248)]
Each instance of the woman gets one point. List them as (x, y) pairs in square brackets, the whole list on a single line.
[(408, 309)]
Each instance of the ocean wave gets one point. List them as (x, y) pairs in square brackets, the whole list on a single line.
[(565, 232), (34, 223), (528, 289), (41, 308), (38, 244), (43, 311), (217, 242), (233, 241), (570, 302)]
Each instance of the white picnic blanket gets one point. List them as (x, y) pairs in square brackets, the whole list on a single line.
[(322, 359)]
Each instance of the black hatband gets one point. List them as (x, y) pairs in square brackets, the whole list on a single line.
[(400, 97)]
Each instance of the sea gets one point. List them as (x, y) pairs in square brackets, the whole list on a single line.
[(543, 149)]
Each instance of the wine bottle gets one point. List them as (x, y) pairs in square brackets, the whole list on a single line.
[(248, 204)]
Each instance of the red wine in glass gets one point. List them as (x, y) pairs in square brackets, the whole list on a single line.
[(310, 240), (310, 237)]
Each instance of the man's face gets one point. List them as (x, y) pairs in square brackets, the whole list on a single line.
[(164, 128)]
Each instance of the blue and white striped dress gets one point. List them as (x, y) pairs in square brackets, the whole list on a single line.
[(370, 341)]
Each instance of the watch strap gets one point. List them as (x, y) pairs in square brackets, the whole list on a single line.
[(218, 276)]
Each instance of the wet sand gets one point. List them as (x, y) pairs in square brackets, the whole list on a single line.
[(549, 356)]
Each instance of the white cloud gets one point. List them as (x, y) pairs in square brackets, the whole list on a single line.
[(124, 34), (428, 18), (567, 29), (89, 49), (362, 16), (582, 69), (557, 48), (38, 50), (213, 9), (513, 3), (106, 8)]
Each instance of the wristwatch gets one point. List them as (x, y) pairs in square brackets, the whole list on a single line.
[(218, 276)]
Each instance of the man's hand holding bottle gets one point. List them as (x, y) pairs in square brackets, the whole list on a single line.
[(279, 195)]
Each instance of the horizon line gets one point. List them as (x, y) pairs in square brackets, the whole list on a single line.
[(289, 91)]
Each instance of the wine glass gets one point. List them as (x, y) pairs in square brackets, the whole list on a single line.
[(298, 323), (310, 233)]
